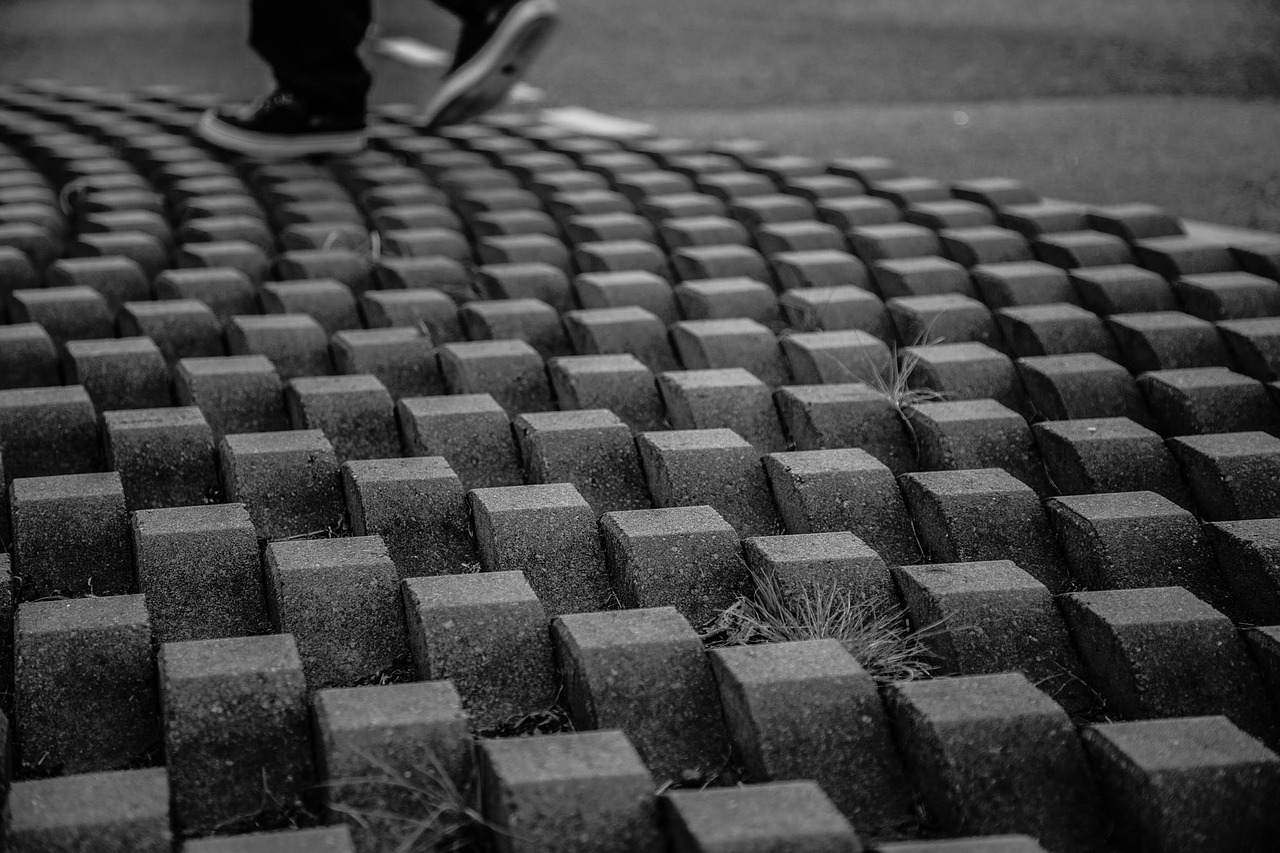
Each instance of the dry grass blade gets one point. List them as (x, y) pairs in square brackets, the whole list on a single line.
[(874, 632)]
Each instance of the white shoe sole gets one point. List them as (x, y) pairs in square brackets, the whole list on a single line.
[(484, 80), (217, 132)]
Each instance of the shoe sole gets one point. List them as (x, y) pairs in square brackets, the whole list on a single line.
[(217, 132), (484, 80)]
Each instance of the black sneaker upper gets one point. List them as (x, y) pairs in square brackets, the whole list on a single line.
[(283, 114), (478, 25)]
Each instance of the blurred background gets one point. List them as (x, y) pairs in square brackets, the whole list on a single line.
[(1173, 102)]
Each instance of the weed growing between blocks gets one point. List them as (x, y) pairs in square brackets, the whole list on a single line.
[(873, 631)]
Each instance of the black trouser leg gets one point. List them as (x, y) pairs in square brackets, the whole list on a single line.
[(311, 48)]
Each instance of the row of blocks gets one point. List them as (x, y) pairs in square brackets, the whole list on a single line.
[(229, 706), (846, 519), (645, 672)]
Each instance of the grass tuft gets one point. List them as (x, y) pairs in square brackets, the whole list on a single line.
[(873, 631), (420, 809)]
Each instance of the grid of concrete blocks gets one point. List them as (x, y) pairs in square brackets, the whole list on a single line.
[(389, 497)]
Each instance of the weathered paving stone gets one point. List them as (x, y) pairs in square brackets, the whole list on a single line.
[(471, 431), (548, 532), (1073, 249), (1254, 344), (826, 491), (401, 277), (118, 279), (1057, 328), (966, 371), (295, 343), (714, 467), (403, 360), (1248, 554), (584, 792), (694, 263), (384, 751), (288, 481), (994, 192), (530, 320), (823, 417), (1123, 289), (927, 275), (524, 249), (908, 189), (427, 242), (823, 561), (1181, 255), (1233, 475), (1099, 455), (817, 358), (983, 515), (119, 373), (71, 535), (726, 298), (227, 290), (732, 398), (798, 236), (236, 395), (834, 309), (951, 317), (1228, 296), (511, 371), (788, 708), (66, 313), (1133, 222), (1129, 540), (619, 383), (620, 256), (418, 507), (181, 328), (329, 303), (431, 308), (954, 213), (631, 330), (971, 434), (688, 558), (1149, 769), (349, 267), (819, 268), (993, 617), (1162, 652), (117, 810), (1199, 401), (684, 231), (236, 732), (659, 208), (984, 244), (992, 754), (712, 344), (241, 255), (526, 281), (1168, 340), (774, 816), (590, 227), (328, 839), (592, 449), (1023, 284), (732, 186), (356, 413), (487, 633), (48, 431), (84, 680), (636, 288), (28, 357), (644, 672), (857, 211), (165, 457), (339, 598), (200, 570), (1080, 386)]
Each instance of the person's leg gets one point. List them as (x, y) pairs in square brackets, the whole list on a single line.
[(318, 105), (498, 41), (311, 46)]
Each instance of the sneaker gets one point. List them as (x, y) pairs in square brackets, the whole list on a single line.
[(494, 51), (281, 125)]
